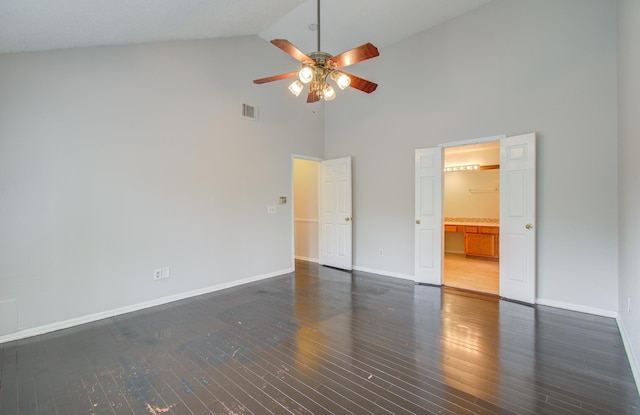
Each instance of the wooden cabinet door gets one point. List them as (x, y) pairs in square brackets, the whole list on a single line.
[(480, 244)]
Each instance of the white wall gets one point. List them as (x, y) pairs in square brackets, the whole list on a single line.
[(115, 161), (472, 194), (468, 194), (305, 209), (629, 172), (509, 67)]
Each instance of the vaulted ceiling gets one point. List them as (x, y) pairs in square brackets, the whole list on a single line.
[(33, 25)]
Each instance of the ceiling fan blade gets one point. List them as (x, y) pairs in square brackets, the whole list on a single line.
[(275, 78), (361, 84), (355, 55), (291, 50), (313, 96)]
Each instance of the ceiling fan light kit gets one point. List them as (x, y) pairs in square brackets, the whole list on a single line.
[(318, 67)]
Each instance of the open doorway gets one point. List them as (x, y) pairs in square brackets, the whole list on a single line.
[(305, 209), (322, 211), (471, 210), (516, 240)]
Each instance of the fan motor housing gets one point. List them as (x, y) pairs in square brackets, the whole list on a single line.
[(321, 58)]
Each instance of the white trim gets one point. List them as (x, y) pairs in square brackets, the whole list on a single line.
[(36, 331), (577, 307), (385, 273), (633, 362), (442, 146), (303, 157), (304, 258)]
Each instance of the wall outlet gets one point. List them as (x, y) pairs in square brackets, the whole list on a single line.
[(157, 274), (272, 210), (380, 252), (166, 273)]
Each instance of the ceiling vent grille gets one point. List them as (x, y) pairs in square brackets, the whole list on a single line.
[(249, 112)]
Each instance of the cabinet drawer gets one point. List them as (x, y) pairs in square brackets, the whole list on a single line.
[(450, 228), (489, 229), (471, 229)]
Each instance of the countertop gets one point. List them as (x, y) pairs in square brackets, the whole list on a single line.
[(472, 221)]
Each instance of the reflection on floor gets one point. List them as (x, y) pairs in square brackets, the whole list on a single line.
[(325, 342), (475, 274)]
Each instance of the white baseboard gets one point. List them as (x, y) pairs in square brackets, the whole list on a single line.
[(633, 362), (577, 307), (48, 328), (385, 273), (304, 258)]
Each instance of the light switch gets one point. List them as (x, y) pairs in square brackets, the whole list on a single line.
[(272, 210)]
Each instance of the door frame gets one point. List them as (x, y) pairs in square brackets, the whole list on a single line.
[(461, 143)]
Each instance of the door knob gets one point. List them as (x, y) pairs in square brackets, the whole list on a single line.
[(529, 226), (417, 221), (347, 219)]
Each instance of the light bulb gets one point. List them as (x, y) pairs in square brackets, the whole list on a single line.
[(305, 75), (328, 93), (296, 88), (342, 80)]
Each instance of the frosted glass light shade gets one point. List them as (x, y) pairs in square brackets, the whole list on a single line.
[(296, 87), (342, 80), (305, 75), (328, 93)]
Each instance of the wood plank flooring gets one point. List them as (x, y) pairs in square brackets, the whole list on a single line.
[(472, 273), (323, 341)]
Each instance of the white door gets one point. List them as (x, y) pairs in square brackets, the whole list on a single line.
[(335, 213), (517, 218), (428, 213)]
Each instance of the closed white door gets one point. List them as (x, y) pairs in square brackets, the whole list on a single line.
[(517, 218), (428, 216), (335, 213)]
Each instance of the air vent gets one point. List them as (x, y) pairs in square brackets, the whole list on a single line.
[(249, 112)]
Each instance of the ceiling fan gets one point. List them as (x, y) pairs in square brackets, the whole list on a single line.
[(318, 67)]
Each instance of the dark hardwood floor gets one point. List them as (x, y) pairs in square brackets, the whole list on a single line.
[(324, 341)]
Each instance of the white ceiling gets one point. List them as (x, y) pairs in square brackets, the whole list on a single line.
[(33, 25)]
